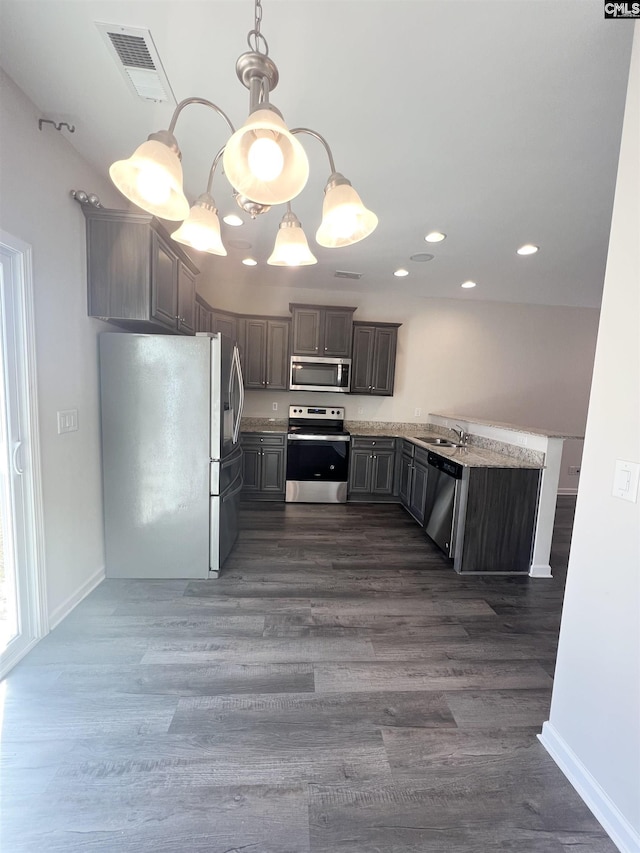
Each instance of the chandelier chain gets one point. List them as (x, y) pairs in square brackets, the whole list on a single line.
[(259, 41)]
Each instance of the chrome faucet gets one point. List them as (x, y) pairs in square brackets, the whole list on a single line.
[(461, 435)]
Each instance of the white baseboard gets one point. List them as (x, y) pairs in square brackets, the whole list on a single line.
[(567, 491), (617, 827), (540, 571), (57, 615)]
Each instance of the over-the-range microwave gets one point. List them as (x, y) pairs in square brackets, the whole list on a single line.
[(312, 373)]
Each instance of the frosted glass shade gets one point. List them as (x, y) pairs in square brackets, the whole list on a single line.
[(345, 219), (152, 179), (259, 172), (201, 229), (291, 248)]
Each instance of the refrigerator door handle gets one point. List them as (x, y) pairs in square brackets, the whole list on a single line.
[(236, 372)]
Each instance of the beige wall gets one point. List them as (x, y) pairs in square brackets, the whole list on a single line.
[(524, 364), (594, 727), (37, 170)]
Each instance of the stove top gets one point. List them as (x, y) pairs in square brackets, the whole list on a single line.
[(316, 420)]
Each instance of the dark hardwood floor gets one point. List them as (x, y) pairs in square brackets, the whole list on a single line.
[(338, 689)]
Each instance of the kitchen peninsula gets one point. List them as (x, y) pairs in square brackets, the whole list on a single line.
[(490, 445)]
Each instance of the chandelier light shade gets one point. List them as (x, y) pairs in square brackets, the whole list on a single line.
[(201, 228), (263, 161), (152, 179), (345, 219), (291, 248)]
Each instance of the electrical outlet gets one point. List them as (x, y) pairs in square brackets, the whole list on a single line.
[(417, 413), (67, 421), (360, 410), (274, 406), (574, 470)]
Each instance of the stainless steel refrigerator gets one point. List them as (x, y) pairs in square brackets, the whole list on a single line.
[(171, 455)]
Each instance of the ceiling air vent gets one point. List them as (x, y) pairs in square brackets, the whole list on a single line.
[(345, 274), (138, 60)]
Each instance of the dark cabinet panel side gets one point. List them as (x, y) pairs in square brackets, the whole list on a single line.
[(164, 296), (118, 269), (500, 518)]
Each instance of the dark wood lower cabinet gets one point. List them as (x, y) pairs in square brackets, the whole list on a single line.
[(372, 468), (264, 466), (412, 480)]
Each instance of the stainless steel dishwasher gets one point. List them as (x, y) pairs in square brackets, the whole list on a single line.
[(444, 479)]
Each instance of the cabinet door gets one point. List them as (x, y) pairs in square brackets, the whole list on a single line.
[(406, 469), (382, 471), (384, 361), (251, 468), (186, 300), (225, 324), (272, 462), (277, 367), (363, 343), (255, 350), (418, 492), (203, 318), (307, 326), (164, 283), (338, 326), (360, 472)]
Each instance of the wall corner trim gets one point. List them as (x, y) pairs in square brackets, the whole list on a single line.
[(623, 835), (83, 591)]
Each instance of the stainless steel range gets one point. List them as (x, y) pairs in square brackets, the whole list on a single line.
[(317, 455)]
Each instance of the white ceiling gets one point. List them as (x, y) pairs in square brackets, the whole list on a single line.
[(496, 122)]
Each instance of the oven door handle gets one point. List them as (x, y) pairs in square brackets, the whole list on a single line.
[(294, 437)]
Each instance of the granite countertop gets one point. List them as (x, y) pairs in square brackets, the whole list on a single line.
[(547, 433), (469, 456)]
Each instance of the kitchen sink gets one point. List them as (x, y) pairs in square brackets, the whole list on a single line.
[(438, 442)]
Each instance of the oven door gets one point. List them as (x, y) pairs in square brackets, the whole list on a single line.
[(317, 468)]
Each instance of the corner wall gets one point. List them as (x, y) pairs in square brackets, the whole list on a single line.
[(37, 171), (594, 727)]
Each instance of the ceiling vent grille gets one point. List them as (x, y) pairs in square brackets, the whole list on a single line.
[(345, 274), (138, 60)]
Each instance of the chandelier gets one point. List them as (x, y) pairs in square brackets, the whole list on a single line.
[(263, 161)]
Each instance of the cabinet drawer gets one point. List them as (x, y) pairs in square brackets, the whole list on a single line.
[(421, 456), (408, 447), (258, 439), (368, 443)]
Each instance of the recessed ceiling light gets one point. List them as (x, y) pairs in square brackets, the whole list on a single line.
[(249, 262), (468, 284), (435, 237), (232, 219), (528, 249), (421, 256), (401, 273)]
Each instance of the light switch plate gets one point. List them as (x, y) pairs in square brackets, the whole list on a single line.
[(67, 421), (625, 480)]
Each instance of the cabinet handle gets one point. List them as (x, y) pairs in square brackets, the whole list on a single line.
[(372, 443), (267, 382), (374, 457), (370, 387)]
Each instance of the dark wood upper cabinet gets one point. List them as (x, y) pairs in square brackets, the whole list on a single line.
[(265, 352), (137, 277), (374, 358), (322, 330)]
